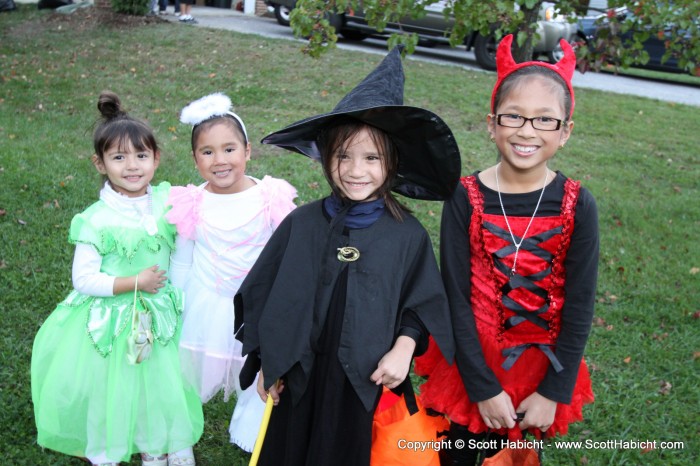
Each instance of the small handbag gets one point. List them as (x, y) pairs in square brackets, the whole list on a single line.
[(404, 433), (140, 340)]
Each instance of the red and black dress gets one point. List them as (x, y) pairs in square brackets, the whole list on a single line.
[(520, 332)]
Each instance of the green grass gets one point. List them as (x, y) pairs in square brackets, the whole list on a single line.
[(637, 156)]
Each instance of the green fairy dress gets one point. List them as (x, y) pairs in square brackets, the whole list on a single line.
[(88, 399)]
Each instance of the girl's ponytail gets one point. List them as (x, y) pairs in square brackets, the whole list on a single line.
[(110, 106), (116, 126)]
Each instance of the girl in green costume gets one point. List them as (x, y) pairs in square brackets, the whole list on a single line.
[(91, 399)]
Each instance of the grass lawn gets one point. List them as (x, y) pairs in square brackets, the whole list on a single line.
[(639, 157)]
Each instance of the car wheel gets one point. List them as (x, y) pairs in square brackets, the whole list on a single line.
[(282, 14), (555, 55), (351, 34), (485, 52), (336, 20)]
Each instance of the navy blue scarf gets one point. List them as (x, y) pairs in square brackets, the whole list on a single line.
[(359, 214)]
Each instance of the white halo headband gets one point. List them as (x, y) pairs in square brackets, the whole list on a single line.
[(210, 106)]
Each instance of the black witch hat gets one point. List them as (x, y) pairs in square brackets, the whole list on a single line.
[(429, 162)]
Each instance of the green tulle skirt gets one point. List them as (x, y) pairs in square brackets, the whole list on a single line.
[(87, 404)]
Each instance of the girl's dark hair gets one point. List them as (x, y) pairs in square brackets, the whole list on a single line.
[(206, 124), (333, 140), (514, 79), (117, 127)]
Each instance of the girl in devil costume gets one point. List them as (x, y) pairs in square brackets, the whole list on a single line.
[(519, 254)]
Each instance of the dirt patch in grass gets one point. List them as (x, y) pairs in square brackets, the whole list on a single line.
[(80, 20)]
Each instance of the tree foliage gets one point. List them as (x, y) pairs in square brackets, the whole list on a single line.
[(675, 22), (320, 20)]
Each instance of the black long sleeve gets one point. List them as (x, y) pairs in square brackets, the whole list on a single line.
[(479, 380), (581, 266)]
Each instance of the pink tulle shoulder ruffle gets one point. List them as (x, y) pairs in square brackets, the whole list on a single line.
[(185, 202), (279, 196)]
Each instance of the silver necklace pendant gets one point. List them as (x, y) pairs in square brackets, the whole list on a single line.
[(515, 259), (348, 254), (505, 217), (148, 220)]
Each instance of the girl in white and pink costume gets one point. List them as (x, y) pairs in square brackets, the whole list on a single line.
[(222, 226)]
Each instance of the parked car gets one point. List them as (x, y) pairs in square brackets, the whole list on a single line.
[(434, 28), (281, 10), (590, 29)]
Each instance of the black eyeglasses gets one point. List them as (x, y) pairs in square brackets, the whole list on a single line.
[(512, 120)]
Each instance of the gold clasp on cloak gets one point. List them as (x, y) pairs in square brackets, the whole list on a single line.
[(348, 254)]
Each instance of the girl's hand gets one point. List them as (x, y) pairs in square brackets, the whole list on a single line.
[(151, 280), (539, 412), (274, 391), (394, 366), (498, 412)]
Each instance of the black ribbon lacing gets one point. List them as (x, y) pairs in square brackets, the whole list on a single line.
[(528, 282), (514, 352)]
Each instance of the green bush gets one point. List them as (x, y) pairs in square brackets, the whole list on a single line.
[(131, 7)]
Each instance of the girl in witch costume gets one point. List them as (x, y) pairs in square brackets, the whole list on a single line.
[(223, 225), (93, 396), (519, 254), (347, 290)]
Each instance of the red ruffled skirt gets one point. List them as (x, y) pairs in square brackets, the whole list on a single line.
[(444, 391)]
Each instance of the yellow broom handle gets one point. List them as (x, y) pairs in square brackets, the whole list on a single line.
[(261, 433)]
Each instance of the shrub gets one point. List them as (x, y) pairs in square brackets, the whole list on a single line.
[(131, 7)]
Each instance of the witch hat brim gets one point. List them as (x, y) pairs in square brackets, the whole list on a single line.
[(429, 161)]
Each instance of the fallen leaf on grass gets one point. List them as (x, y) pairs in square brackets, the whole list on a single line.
[(599, 322), (584, 460), (647, 449), (696, 315), (21, 222), (694, 270), (696, 355), (627, 360), (665, 387), (2, 212)]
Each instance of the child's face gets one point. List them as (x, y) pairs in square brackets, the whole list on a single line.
[(221, 155), (129, 170), (527, 148), (359, 171)]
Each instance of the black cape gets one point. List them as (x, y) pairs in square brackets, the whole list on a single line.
[(282, 304)]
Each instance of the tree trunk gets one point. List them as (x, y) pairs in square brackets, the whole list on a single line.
[(524, 52)]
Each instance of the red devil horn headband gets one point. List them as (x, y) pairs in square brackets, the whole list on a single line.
[(505, 66)]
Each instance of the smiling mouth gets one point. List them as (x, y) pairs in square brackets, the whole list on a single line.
[(525, 149), (132, 178), (356, 185), (222, 173)]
